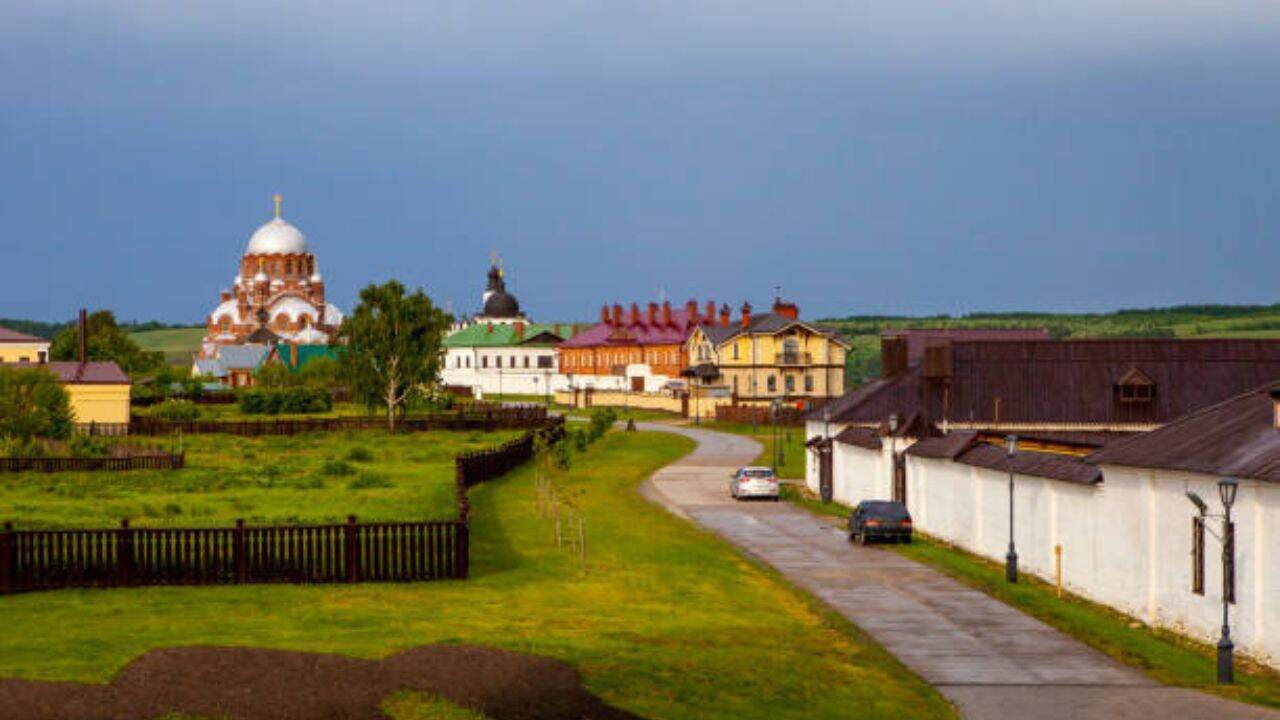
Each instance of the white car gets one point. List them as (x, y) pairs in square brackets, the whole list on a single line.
[(754, 482)]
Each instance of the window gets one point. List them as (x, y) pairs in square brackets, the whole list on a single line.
[(468, 362), (526, 361), (808, 383), (772, 384), (42, 356), (546, 361), (791, 383), (1135, 387), (735, 351), (1197, 555), (484, 361), (513, 362)]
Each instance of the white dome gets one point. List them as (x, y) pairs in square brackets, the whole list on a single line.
[(277, 238), (310, 336), (332, 315), (293, 308), (226, 309)]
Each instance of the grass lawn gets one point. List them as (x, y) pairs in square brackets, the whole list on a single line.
[(305, 478), (668, 621), (1167, 657), (177, 344), (791, 438)]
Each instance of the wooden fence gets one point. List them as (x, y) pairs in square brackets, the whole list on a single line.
[(763, 415), (477, 467), (154, 461), (211, 398), (125, 556), (487, 419)]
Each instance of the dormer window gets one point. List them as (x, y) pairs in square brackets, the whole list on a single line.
[(1135, 387)]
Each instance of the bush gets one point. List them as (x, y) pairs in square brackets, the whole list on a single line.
[(336, 468), (176, 411), (291, 400), (87, 446), (580, 439), (359, 454), (25, 447), (601, 420), (367, 480)]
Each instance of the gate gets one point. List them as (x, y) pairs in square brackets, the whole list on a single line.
[(900, 477), (824, 471)]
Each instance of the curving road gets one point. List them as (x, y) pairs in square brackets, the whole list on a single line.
[(990, 660)]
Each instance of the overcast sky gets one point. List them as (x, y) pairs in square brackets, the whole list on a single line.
[(904, 156)]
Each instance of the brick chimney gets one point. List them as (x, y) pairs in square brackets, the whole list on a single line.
[(519, 329), (84, 336), (786, 309), (691, 310), (746, 315), (653, 313), (666, 313), (633, 317), (710, 318), (724, 315), (617, 315), (604, 314), (893, 355)]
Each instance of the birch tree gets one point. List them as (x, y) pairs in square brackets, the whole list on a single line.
[(393, 344)]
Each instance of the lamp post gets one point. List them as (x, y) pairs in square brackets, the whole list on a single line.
[(1227, 487), (1011, 558), (825, 459), (776, 405)]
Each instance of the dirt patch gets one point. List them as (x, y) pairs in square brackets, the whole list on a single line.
[(260, 684)]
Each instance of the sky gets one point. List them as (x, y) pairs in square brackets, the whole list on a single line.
[(904, 156)]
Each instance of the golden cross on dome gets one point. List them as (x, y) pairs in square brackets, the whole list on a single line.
[(497, 261), (278, 200)]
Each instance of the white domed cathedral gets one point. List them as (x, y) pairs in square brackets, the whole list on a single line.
[(277, 295)]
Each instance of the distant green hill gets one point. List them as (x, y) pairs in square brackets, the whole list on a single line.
[(177, 344), (1222, 321)]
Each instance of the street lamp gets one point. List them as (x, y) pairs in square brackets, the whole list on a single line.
[(1011, 559), (1227, 487), (776, 406)]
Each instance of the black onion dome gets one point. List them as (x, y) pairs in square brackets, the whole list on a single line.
[(501, 305)]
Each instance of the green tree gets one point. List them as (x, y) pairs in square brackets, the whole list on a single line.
[(107, 341), (393, 345), (33, 404)]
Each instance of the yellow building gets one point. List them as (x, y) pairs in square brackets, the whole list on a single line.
[(757, 358), (16, 347), (99, 391)]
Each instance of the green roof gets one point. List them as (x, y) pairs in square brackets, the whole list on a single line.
[(306, 353), (504, 335)]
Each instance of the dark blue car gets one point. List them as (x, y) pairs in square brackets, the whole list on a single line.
[(880, 520)]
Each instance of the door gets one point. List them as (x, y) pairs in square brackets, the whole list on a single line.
[(825, 489), (900, 477), (637, 384)]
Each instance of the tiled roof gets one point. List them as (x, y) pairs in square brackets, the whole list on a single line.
[(242, 357), (1067, 468), (13, 336), (94, 372), (920, 338), (1236, 437), (947, 446), (504, 335), (1068, 382), (862, 437), (641, 333), (764, 324)]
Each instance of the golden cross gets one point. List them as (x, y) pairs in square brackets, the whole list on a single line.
[(278, 200)]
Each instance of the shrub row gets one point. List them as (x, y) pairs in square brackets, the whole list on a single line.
[(259, 401)]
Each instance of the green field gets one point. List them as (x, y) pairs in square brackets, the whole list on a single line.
[(667, 621), (1184, 321), (317, 478), (177, 344)]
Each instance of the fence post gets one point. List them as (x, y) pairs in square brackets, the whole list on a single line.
[(352, 553), (238, 560), (124, 554), (461, 551), (6, 559)]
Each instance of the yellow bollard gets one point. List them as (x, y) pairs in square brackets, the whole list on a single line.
[(1057, 555)]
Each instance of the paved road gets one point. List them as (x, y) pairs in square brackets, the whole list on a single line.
[(989, 659)]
